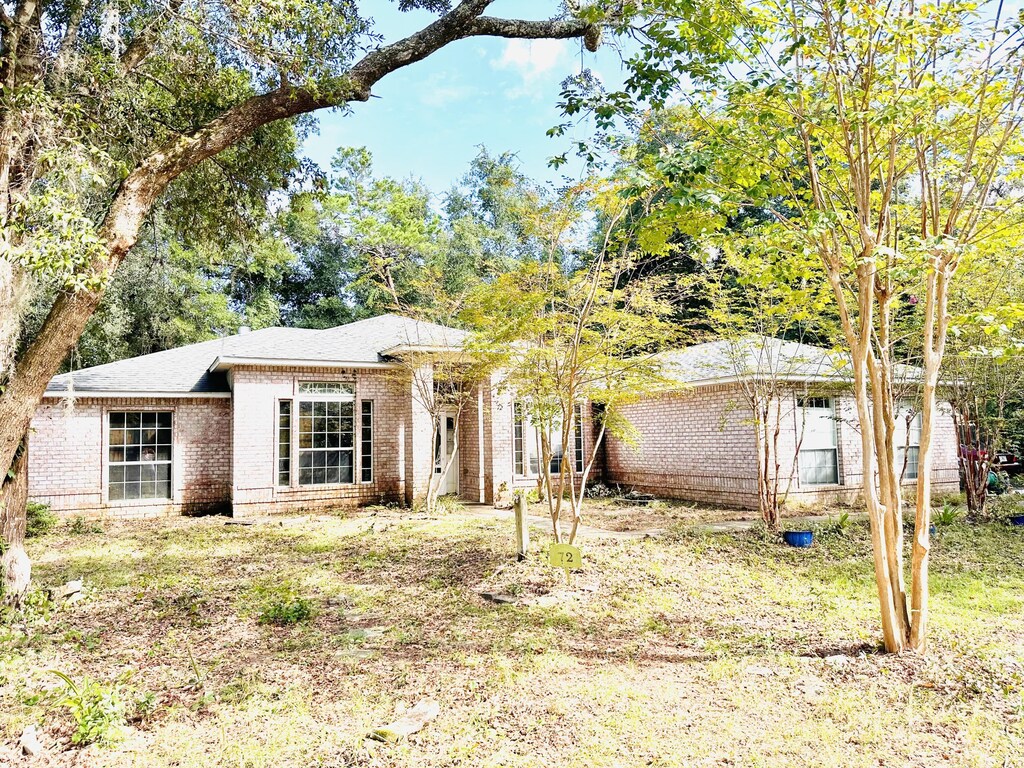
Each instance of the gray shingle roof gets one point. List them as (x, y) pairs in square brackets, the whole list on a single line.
[(756, 356), (751, 356), (187, 369)]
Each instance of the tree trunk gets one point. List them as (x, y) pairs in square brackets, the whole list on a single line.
[(14, 498)]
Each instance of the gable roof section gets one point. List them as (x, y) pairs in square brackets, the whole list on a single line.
[(200, 369), (750, 357)]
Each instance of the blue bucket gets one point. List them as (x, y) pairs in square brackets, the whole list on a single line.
[(1017, 520), (802, 539)]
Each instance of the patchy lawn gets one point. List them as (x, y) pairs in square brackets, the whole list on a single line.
[(282, 645)]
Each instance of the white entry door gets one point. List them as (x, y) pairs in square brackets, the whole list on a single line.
[(444, 447)]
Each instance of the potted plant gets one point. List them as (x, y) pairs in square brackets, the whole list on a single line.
[(799, 538), (1009, 509)]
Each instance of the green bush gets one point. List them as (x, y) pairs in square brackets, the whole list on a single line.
[(948, 515), (81, 527), (1002, 508), (39, 519), (98, 710), (287, 610)]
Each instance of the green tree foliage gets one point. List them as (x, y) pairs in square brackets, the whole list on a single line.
[(568, 336), (107, 110), (884, 140)]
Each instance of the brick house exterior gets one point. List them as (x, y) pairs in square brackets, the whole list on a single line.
[(277, 420), (699, 442)]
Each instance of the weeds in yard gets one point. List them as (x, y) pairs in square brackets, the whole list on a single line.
[(39, 519), (448, 504), (79, 526), (286, 610), (98, 710), (948, 515), (619, 669)]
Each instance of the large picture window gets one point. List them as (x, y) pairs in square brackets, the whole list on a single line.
[(326, 442), (819, 453), (139, 455)]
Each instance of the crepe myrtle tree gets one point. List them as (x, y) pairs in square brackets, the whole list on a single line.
[(885, 140), (103, 106), (757, 297), (571, 335)]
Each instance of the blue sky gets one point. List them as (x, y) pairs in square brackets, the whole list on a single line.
[(428, 119)]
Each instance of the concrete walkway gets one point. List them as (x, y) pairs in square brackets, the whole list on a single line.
[(487, 512)]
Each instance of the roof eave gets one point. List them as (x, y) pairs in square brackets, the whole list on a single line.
[(223, 363), (126, 393)]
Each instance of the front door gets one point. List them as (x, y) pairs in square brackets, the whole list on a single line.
[(445, 447)]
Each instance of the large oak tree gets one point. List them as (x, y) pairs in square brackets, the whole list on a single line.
[(107, 107)]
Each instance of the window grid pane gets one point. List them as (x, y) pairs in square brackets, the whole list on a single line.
[(819, 466), (326, 388), (326, 442), (284, 442), (578, 439), (911, 454), (517, 439), (139, 455), (366, 442)]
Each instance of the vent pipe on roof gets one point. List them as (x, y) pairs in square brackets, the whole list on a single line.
[(243, 329)]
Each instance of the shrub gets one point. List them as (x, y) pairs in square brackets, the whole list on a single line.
[(286, 610), (39, 519), (81, 527), (1002, 508), (448, 503), (98, 710), (599, 491), (948, 515)]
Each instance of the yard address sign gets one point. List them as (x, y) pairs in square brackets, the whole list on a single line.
[(565, 556)]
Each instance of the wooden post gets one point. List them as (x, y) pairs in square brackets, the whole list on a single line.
[(522, 526)]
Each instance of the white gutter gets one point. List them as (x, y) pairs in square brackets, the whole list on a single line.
[(106, 393), (400, 349), (223, 363)]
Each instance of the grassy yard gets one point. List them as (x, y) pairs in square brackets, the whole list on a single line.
[(283, 645)]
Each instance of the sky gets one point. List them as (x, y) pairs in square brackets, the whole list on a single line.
[(428, 120)]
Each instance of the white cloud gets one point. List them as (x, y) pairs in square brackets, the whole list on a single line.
[(441, 90), (531, 58)]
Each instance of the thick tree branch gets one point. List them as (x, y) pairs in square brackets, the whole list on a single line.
[(516, 28), (143, 186), (139, 48)]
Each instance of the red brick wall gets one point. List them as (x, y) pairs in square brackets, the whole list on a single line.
[(254, 428), (701, 445), (697, 444), (67, 455)]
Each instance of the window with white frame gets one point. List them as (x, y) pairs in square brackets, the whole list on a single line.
[(819, 452), (526, 441), (316, 434), (366, 442), (139, 448), (907, 439), (284, 442)]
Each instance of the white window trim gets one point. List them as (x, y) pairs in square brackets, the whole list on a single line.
[(529, 430), (835, 438), (106, 463)]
